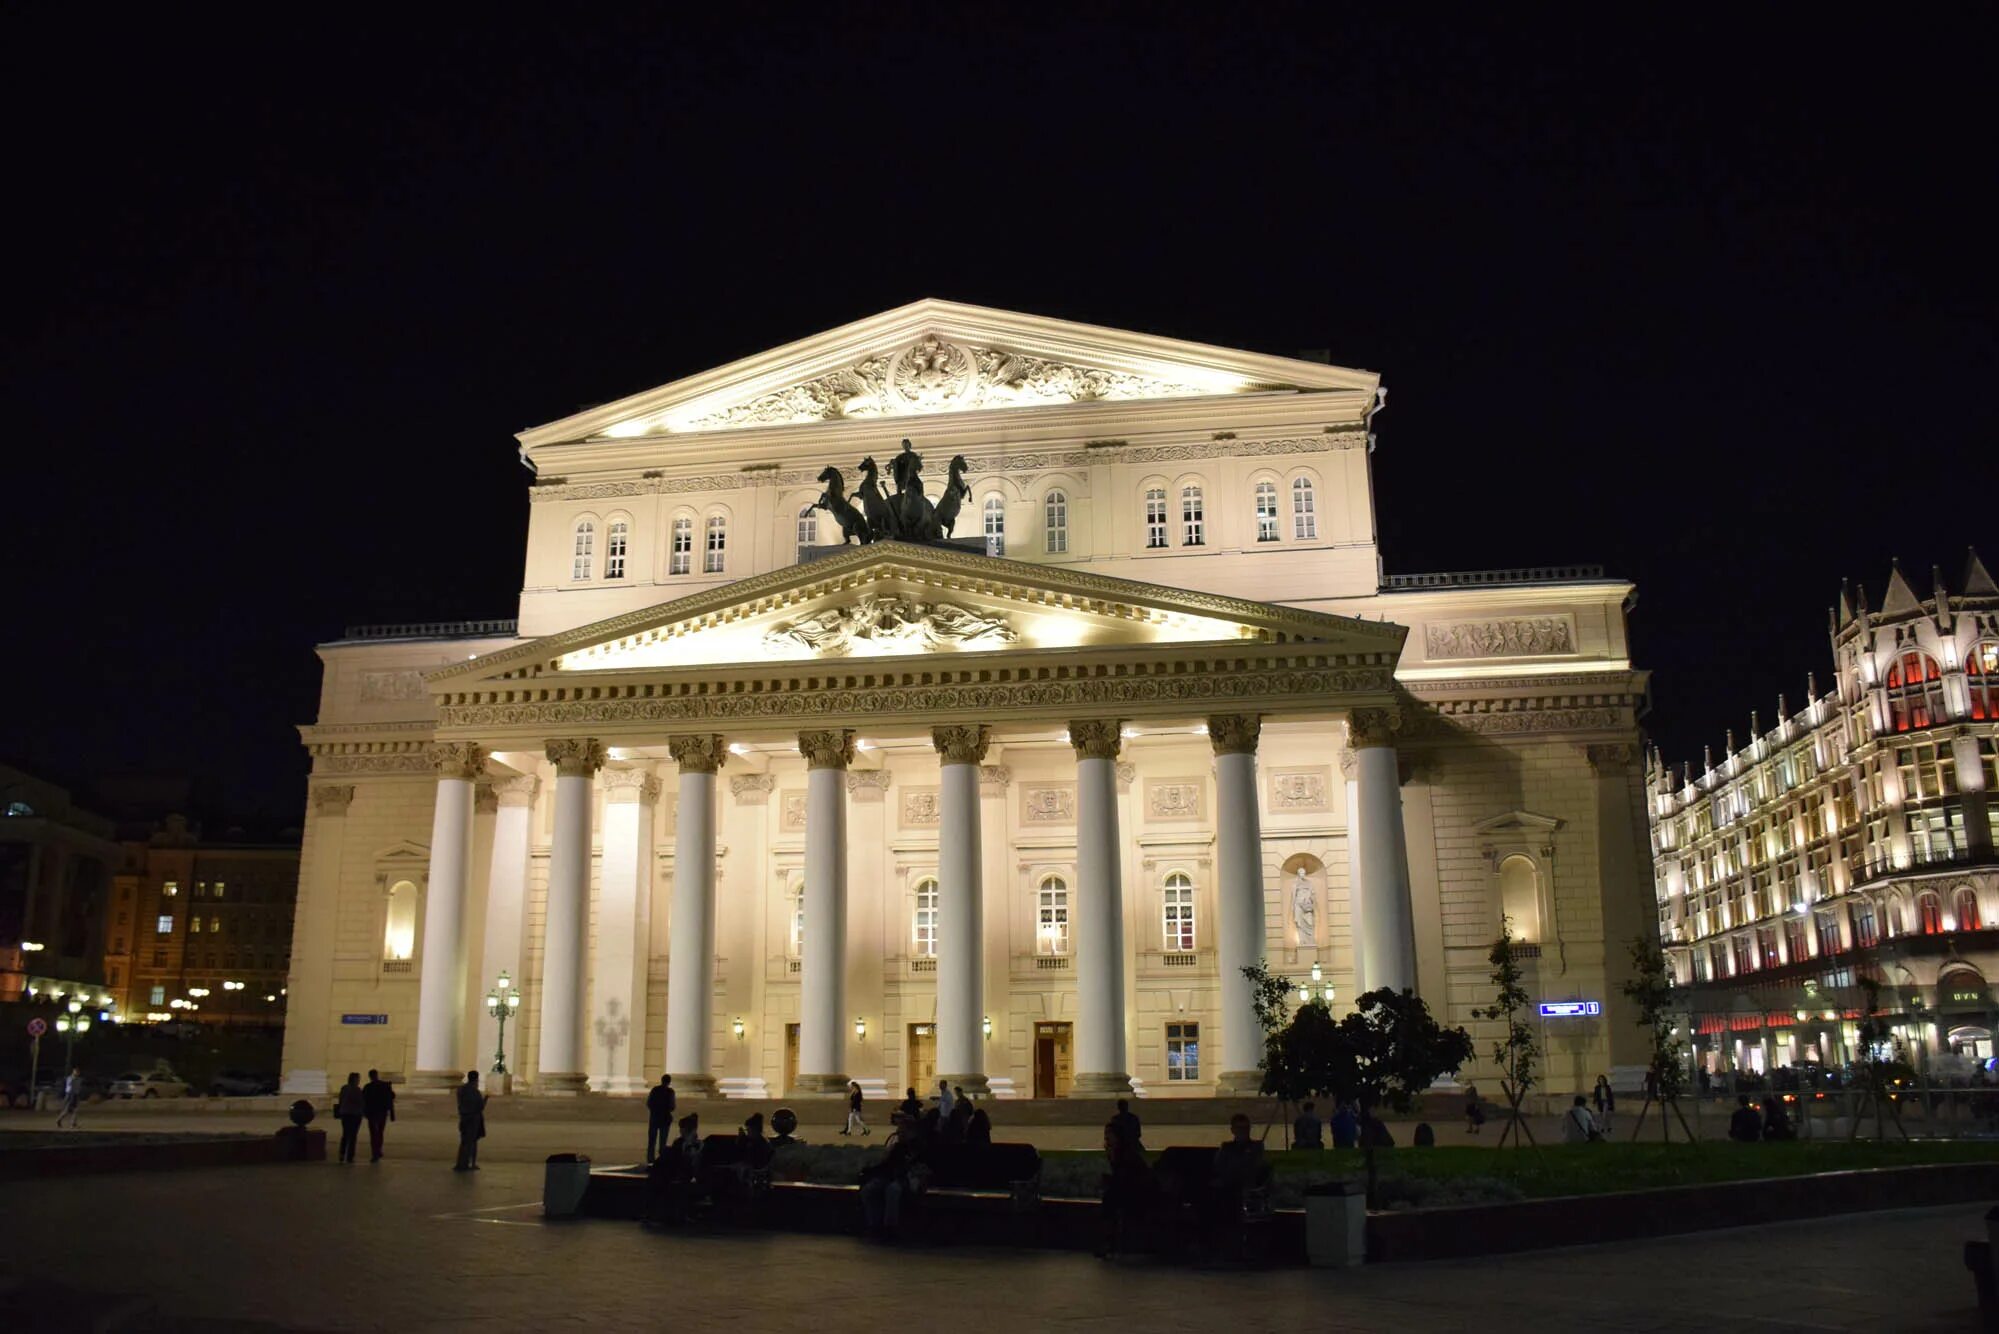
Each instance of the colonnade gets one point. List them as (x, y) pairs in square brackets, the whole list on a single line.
[(1384, 932)]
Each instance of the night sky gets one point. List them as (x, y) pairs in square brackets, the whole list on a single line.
[(1710, 304)]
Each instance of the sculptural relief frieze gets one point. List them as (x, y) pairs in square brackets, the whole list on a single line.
[(893, 621), (1520, 637), (1174, 799), (1300, 789), (387, 686), (1048, 803)]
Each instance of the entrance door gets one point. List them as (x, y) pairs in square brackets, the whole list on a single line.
[(1053, 1068), (790, 1057), (921, 1067)]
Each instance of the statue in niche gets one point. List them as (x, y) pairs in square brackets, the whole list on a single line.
[(1304, 908)]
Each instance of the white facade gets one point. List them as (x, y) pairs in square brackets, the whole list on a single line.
[(1010, 819)]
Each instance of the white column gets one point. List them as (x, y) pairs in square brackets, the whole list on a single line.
[(310, 986), (1386, 939), (506, 909), (440, 1012), (961, 907), (1355, 908), (1100, 1053), (690, 969), (1239, 892), (822, 1014), (617, 1027), (565, 957)]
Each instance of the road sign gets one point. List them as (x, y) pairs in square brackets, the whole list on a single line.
[(364, 1019), (1569, 1009), (37, 1027)]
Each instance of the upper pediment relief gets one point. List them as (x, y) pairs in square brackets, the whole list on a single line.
[(935, 357)]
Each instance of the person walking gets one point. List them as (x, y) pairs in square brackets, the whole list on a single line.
[(1474, 1111), (1606, 1102), (660, 1106), (471, 1122), (349, 1108), (854, 1109), (378, 1104), (72, 1096)]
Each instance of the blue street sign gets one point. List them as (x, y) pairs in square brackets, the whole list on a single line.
[(364, 1019), (1569, 1009)]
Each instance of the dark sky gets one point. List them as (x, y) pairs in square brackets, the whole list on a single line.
[(1710, 304)]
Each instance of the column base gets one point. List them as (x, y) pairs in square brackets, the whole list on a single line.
[(561, 1085), (305, 1081), (824, 1085), (625, 1084), (1239, 1084), (975, 1086), (694, 1086), (439, 1081), (1117, 1083)]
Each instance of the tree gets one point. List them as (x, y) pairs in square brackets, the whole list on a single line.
[(1651, 989), (1516, 1052), (1876, 1070)]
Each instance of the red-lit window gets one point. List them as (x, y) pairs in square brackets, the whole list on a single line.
[(1982, 674), (1766, 947), (1828, 935), (1866, 933), (1929, 914), (1915, 692), (1794, 939), (1966, 905)]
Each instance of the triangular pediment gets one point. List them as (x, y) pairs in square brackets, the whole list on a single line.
[(1520, 823), (894, 599), (938, 357)]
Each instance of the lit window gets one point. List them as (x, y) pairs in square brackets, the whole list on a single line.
[(1266, 512), (1155, 518), (616, 542), (1183, 1052), (193, 926), (169, 889), (1982, 674), (1192, 523), (681, 557), (1865, 933), (1304, 516), (582, 551), (20, 808), (1966, 905), (995, 526), (215, 926), (717, 546), (797, 941), (165, 926), (1178, 899), (1051, 934), (925, 926), (1929, 914), (808, 526), (399, 925), (1055, 523), (1915, 692), (219, 887), (159, 996)]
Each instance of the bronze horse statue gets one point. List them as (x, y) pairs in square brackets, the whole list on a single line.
[(853, 524), (880, 515), (956, 493)]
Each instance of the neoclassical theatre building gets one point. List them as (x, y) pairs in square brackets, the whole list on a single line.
[(774, 785)]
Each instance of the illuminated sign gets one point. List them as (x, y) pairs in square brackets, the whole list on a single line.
[(364, 1019), (1569, 1009)]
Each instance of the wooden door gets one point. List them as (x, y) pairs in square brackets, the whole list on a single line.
[(920, 1069), (1054, 1068), (790, 1057)]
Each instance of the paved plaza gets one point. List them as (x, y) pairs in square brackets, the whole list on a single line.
[(407, 1244)]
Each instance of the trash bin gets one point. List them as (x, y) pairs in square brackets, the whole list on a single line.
[(566, 1177), (1336, 1224)]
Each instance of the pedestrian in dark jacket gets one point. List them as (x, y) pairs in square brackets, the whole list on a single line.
[(1126, 1123), (1744, 1126), (378, 1104), (350, 1107), (471, 1122), (660, 1106)]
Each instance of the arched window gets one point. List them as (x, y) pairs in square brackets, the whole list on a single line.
[(1929, 914), (1520, 896), (681, 559), (716, 550), (1051, 928), (1915, 692), (1193, 521), (1266, 512), (399, 930), (617, 540), (1155, 518), (923, 933), (1304, 513), (1177, 900), (1965, 909), (1055, 523), (582, 552), (795, 941), (808, 527), (995, 526), (1982, 675)]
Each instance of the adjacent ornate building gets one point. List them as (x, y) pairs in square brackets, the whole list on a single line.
[(1854, 839), (746, 797)]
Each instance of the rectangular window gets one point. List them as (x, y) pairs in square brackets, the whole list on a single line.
[(1155, 520), (169, 889), (683, 547), (1052, 919), (159, 996), (159, 958), (215, 926), (218, 889), (1304, 520), (1179, 909), (614, 568), (1266, 512), (165, 926), (718, 542), (1192, 521), (1183, 1052), (925, 929)]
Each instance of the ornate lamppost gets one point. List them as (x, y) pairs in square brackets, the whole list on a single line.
[(501, 1002), (71, 1025)]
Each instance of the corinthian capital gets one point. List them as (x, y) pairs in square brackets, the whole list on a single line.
[(458, 759), (832, 749), (629, 786), (515, 791), (333, 798), (1096, 738), (961, 745), (697, 754), (576, 757), (1372, 727), (1234, 733)]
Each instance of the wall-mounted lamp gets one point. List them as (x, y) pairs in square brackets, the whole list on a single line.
[(737, 1028), (860, 1030), (987, 1026)]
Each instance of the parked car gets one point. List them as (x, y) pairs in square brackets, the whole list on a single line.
[(156, 1084), (240, 1084)]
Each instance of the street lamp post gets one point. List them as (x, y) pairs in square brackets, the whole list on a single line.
[(501, 1002), (70, 1026)]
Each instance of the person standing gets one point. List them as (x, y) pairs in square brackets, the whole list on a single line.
[(854, 1109), (1606, 1103), (1126, 1123), (378, 1104), (943, 1100), (1307, 1132), (660, 1106), (1474, 1110), (349, 1108), (72, 1096), (471, 1122), (1578, 1126)]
